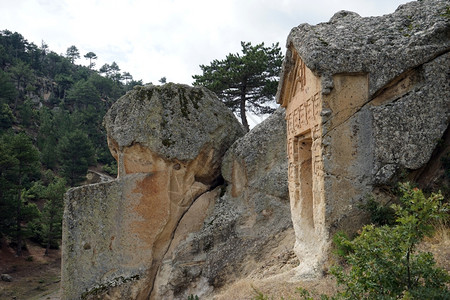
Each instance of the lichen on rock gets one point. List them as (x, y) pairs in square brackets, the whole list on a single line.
[(244, 221), (384, 46), (174, 121)]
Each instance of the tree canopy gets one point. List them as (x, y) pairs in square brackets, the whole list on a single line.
[(246, 81), (19, 166)]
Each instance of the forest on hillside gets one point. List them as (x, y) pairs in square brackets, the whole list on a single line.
[(51, 132)]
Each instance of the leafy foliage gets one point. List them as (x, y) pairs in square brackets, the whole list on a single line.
[(384, 262), (380, 214), (341, 248), (245, 82)]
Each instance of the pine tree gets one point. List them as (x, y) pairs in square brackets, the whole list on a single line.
[(81, 94), (72, 53), (19, 163), (91, 56), (247, 81), (51, 217), (75, 154)]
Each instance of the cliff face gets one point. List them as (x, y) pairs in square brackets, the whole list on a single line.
[(169, 142), (367, 101)]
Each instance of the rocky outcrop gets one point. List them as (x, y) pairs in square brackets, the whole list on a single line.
[(173, 122), (244, 219), (367, 101), (384, 47), (193, 207), (169, 142)]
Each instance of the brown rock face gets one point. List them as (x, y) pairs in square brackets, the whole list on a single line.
[(116, 234)]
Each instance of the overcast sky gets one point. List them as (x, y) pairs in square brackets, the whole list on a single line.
[(171, 38)]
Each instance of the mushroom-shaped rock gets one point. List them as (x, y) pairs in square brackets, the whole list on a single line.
[(176, 123), (169, 142)]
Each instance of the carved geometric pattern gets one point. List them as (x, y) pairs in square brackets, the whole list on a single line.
[(304, 117)]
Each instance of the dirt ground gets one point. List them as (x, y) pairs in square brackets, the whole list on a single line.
[(34, 276)]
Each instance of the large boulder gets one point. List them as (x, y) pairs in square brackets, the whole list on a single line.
[(169, 142), (241, 222), (173, 122)]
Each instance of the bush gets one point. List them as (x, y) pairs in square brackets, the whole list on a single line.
[(341, 247), (111, 169), (383, 260), (384, 263), (379, 214)]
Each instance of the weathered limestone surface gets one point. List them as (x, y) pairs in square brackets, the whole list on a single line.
[(384, 46), (100, 251), (169, 142), (366, 100), (408, 128), (174, 122), (240, 225)]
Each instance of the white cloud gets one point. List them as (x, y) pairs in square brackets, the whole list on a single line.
[(171, 38)]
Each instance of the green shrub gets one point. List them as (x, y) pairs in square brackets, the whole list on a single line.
[(379, 214), (341, 247), (383, 260), (111, 169), (384, 263)]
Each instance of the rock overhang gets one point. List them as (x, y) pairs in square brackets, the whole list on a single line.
[(383, 47)]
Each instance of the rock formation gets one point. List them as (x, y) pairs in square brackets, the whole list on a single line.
[(366, 100), (242, 224), (169, 142), (195, 202)]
